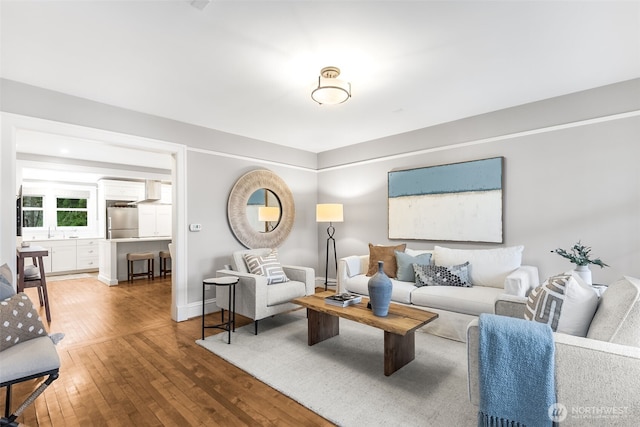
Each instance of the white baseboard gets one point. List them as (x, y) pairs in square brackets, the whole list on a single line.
[(194, 309)]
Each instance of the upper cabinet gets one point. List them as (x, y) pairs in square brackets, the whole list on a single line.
[(128, 191), (154, 220), (166, 194)]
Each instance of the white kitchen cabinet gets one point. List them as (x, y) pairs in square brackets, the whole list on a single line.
[(87, 254), (68, 255), (166, 194), (154, 220), (121, 190), (63, 255)]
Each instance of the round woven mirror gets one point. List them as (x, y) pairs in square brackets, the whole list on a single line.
[(241, 221)]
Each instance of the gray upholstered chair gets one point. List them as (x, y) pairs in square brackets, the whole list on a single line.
[(598, 371), (255, 298), (29, 359)]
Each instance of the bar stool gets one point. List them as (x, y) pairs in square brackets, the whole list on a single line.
[(164, 256), (140, 256), (38, 280), (230, 324)]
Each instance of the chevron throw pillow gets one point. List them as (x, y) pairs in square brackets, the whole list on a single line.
[(267, 266)]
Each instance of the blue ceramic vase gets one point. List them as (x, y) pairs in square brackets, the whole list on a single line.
[(380, 292)]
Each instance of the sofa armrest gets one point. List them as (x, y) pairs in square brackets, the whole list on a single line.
[(346, 267), (251, 279), (522, 281), (250, 289), (473, 367), (306, 275), (590, 375), (510, 305)]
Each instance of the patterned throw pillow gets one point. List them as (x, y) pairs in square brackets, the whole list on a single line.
[(267, 266), (563, 303), (19, 321), (405, 265), (435, 275)]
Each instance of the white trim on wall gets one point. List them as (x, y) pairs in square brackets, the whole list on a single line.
[(505, 137), (252, 159)]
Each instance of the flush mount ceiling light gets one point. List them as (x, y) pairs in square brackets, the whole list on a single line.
[(331, 90)]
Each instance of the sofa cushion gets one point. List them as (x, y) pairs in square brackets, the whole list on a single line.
[(19, 321), (564, 304), (387, 255), (487, 267), (473, 301), (405, 263), (434, 275), (267, 266), (284, 292), (400, 291), (42, 357), (617, 319)]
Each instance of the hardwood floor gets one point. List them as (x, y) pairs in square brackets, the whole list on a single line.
[(126, 363)]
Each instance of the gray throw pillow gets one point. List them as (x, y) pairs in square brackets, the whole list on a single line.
[(405, 263), (435, 275), (6, 277)]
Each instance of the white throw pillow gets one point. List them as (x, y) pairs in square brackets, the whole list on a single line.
[(487, 267), (267, 266), (416, 252), (564, 303)]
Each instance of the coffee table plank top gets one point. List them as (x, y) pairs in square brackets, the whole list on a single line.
[(401, 319)]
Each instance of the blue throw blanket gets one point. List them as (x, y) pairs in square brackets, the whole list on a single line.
[(516, 372)]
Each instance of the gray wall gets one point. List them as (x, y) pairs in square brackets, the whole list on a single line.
[(209, 181), (565, 180)]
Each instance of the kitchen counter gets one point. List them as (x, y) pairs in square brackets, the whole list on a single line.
[(140, 239), (113, 256)]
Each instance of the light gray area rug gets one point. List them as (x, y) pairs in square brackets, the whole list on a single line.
[(342, 378)]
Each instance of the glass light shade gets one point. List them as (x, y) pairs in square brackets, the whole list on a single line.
[(268, 213), (331, 91), (329, 212)]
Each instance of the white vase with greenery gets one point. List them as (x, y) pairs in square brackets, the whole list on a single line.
[(579, 255)]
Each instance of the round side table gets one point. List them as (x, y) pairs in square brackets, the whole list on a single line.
[(230, 324)]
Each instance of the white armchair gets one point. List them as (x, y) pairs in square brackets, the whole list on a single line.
[(255, 298), (596, 376)]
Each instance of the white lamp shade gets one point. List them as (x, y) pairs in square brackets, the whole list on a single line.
[(329, 212), (331, 91), (268, 213)]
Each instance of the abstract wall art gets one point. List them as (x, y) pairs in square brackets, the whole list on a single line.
[(455, 202)]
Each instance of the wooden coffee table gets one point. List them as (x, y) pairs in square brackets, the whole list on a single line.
[(399, 326)]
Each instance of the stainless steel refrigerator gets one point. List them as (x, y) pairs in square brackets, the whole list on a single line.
[(122, 223)]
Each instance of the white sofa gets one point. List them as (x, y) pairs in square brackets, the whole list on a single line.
[(491, 271), (596, 376)]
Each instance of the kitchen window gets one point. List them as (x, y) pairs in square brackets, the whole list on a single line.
[(32, 211), (71, 212)]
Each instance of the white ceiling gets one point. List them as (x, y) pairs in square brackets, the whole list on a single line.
[(248, 67)]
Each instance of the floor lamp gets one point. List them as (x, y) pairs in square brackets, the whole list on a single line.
[(329, 212)]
